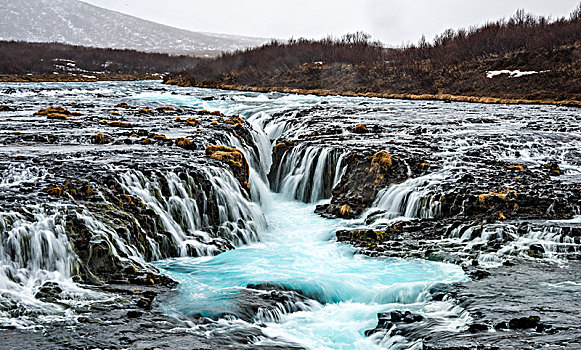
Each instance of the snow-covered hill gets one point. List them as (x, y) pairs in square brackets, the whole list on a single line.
[(76, 22)]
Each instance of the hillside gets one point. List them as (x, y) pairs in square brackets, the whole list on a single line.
[(21, 61), (523, 59), (78, 23)]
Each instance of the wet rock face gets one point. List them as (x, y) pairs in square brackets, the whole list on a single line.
[(235, 159), (268, 302), (280, 150), (128, 184), (517, 307), (389, 320), (365, 176)]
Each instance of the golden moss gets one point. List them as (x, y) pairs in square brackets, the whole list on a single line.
[(517, 166), (57, 116), (54, 191), (178, 119), (50, 110), (360, 129), (117, 124), (282, 146), (214, 122), (217, 113), (115, 113), (183, 143), (160, 137), (345, 209), (128, 200), (500, 216), (226, 154), (192, 122), (134, 135), (146, 141), (502, 195), (381, 162), (57, 110), (146, 111), (123, 105), (236, 120), (99, 138), (165, 109), (77, 189)]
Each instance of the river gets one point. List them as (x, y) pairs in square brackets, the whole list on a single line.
[(306, 246)]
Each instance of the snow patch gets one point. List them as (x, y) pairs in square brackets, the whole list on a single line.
[(512, 73)]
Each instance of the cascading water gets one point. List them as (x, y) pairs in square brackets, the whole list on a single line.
[(187, 219), (308, 174), (410, 199), (287, 275), (296, 250)]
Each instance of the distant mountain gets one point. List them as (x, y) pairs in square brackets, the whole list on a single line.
[(79, 23)]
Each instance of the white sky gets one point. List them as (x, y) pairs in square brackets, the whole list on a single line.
[(391, 21)]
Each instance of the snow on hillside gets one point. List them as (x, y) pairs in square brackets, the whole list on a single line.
[(76, 22)]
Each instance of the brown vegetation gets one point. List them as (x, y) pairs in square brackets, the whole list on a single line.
[(184, 143), (360, 129), (20, 58), (117, 124), (57, 110), (453, 67), (233, 157)]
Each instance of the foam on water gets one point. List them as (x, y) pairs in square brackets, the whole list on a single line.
[(298, 251)]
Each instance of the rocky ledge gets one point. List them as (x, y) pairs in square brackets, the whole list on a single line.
[(497, 195)]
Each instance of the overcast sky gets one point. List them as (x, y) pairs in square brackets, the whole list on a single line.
[(391, 21)]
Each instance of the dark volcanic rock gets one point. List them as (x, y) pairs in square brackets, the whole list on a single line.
[(365, 176), (387, 320), (268, 301), (524, 322)]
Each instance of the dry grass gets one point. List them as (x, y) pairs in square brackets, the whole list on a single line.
[(393, 96)]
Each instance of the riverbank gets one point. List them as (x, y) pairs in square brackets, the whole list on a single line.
[(412, 97), (525, 59)]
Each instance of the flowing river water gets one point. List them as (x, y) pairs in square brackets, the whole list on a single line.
[(326, 294), (297, 249)]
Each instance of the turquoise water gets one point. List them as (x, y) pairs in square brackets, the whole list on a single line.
[(298, 251)]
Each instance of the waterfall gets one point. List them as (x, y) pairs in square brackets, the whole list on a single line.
[(193, 216), (414, 198), (34, 249), (16, 175), (308, 173), (556, 241), (259, 157)]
